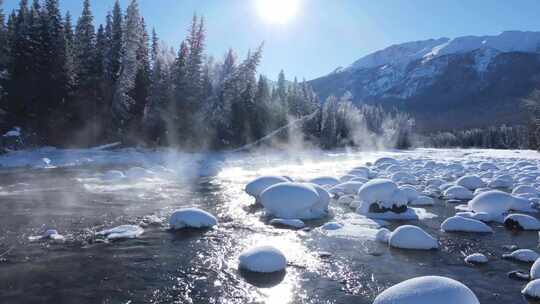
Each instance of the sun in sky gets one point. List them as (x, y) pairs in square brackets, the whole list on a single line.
[(277, 11)]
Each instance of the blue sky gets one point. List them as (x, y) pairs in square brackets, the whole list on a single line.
[(324, 34)]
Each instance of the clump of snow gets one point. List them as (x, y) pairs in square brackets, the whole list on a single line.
[(295, 201), (412, 237), (50, 234), (422, 200), (471, 182), (385, 160), (458, 193), (295, 223), (191, 218), (122, 232), (476, 258), (461, 224), (532, 289), (402, 177), (522, 255), (265, 259), (521, 222), (427, 290), (258, 185), (331, 226), (487, 166), (324, 181), (493, 202)]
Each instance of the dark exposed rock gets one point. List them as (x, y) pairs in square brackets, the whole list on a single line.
[(375, 208), (510, 224)]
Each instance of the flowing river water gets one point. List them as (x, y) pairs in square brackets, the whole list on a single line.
[(65, 191)]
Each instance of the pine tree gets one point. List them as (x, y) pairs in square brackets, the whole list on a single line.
[(124, 103), (19, 69), (3, 53), (195, 63), (69, 50), (84, 49), (116, 38), (53, 76)]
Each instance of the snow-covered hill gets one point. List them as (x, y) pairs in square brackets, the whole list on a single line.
[(470, 81)]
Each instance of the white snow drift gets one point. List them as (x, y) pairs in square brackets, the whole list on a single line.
[(295, 201)]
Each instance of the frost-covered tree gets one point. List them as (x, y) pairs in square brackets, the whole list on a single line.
[(3, 52), (124, 100)]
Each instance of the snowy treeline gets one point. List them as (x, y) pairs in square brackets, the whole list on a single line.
[(82, 85), (501, 137)]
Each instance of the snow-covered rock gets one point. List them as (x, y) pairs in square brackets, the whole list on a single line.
[(402, 177), (380, 196), (265, 259), (493, 202), (295, 201), (521, 222), (412, 237), (191, 218), (422, 200), (410, 191), (461, 224), (349, 187), (480, 216), (258, 185), (385, 160), (324, 181), (476, 258), (535, 270), (502, 182), (532, 289), (487, 166), (458, 193), (522, 255), (471, 182), (122, 232), (525, 189), (295, 223), (427, 290)]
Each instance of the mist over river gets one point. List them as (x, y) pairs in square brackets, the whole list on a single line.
[(70, 191)]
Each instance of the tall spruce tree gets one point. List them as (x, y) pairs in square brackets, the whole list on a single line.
[(4, 57), (124, 103)]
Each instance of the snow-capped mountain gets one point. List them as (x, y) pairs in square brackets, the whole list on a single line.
[(438, 77)]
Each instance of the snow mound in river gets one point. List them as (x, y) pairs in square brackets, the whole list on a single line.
[(522, 255), (427, 290), (458, 193), (471, 182), (412, 237), (295, 201), (461, 224), (264, 259), (532, 289), (521, 222), (492, 202), (191, 218), (258, 185)]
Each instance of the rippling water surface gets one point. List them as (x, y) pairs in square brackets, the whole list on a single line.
[(68, 194)]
